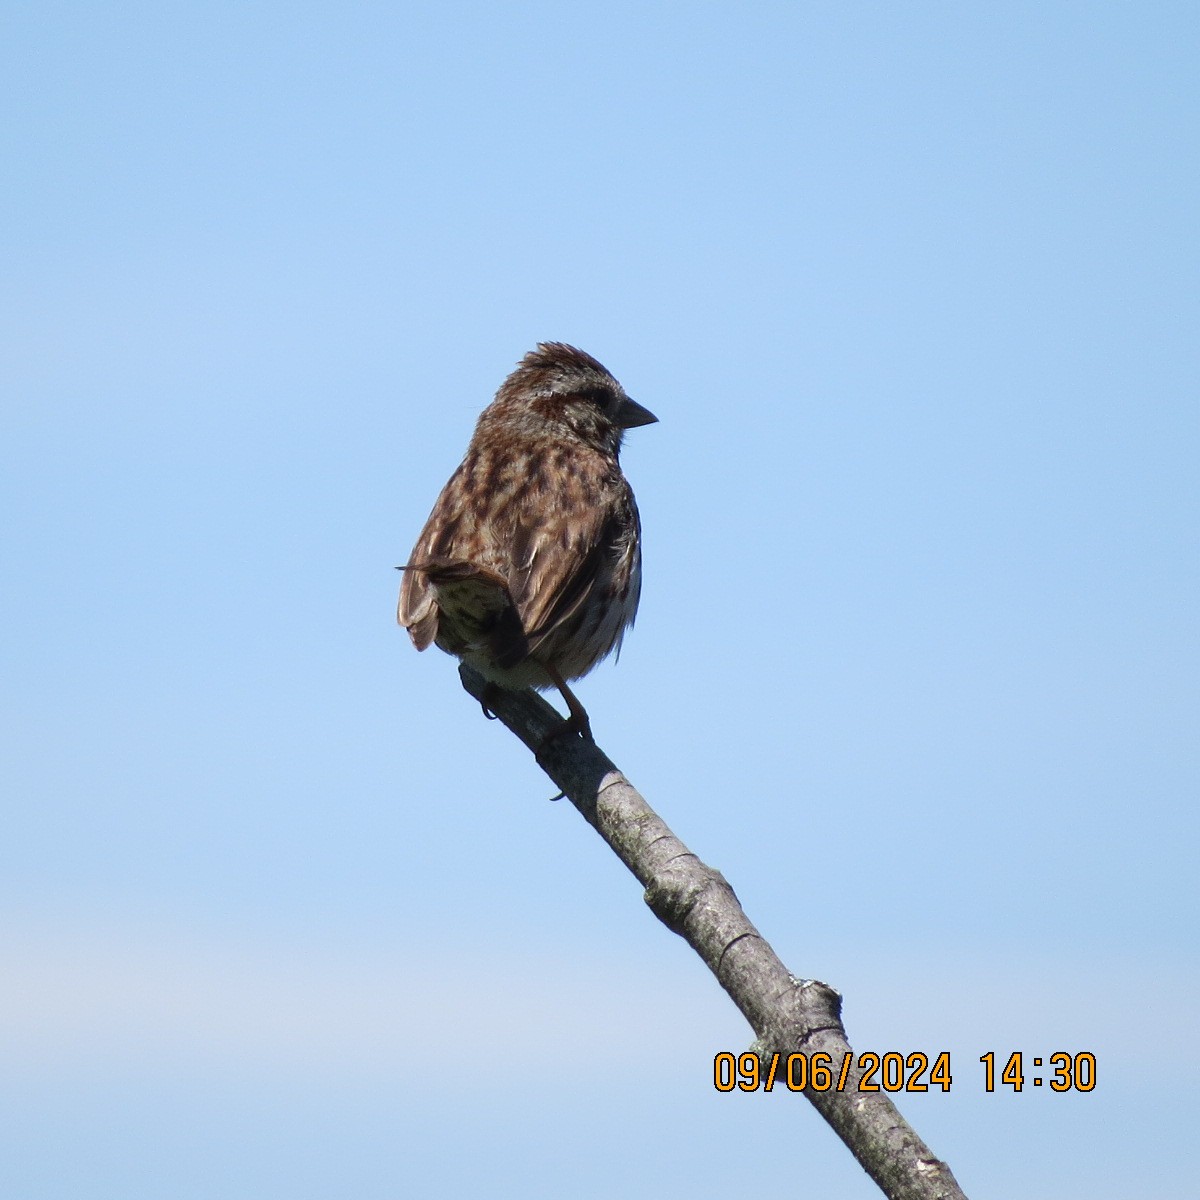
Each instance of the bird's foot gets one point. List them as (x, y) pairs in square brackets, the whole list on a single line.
[(577, 724)]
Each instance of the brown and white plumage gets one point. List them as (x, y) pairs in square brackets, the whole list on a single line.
[(529, 567)]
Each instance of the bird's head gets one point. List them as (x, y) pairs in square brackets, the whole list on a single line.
[(561, 389)]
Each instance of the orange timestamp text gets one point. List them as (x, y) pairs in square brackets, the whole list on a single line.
[(822, 1072), (895, 1072)]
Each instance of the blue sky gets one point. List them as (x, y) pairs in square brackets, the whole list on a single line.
[(913, 292)]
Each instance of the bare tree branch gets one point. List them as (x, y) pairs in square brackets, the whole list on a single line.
[(787, 1014)]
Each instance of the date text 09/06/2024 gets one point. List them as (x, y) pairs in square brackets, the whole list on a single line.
[(895, 1072)]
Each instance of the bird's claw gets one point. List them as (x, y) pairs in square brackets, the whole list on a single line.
[(570, 727), (488, 699)]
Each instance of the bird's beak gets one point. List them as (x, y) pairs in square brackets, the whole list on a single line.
[(631, 414)]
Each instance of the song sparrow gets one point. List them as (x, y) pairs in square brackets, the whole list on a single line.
[(529, 568)]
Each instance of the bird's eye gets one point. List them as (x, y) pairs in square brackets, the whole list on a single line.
[(604, 398)]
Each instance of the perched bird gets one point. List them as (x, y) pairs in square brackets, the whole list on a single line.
[(529, 568)]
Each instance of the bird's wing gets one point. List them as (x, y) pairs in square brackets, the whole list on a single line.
[(417, 610), (564, 550), (454, 590)]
